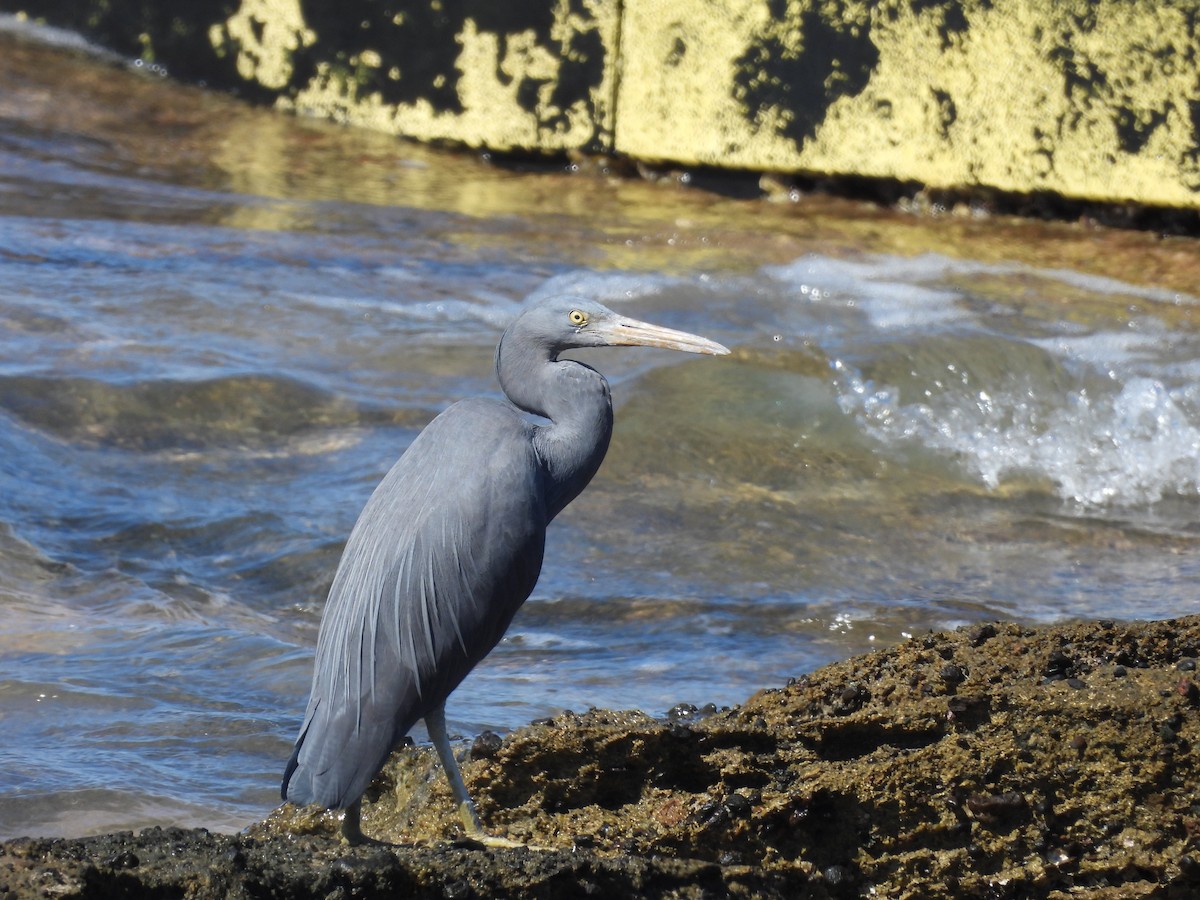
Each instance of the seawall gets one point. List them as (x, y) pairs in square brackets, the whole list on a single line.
[(1093, 100)]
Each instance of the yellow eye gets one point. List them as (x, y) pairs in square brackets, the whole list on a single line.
[(578, 318)]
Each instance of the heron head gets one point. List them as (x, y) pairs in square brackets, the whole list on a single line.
[(567, 323)]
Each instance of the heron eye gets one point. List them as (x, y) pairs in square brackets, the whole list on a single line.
[(578, 318)]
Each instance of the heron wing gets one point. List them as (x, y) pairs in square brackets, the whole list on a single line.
[(444, 553)]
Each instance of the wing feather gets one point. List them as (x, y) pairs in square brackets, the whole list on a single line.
[(444, 553)]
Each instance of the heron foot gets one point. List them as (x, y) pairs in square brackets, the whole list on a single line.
[(353, 835), (493, 842), (358, 839), (351, 829), (476, 836)]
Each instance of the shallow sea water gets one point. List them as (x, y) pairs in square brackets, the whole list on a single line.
[(220, 326)]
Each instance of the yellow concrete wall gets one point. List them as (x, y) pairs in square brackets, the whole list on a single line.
[(1092, 99), (536, 76)]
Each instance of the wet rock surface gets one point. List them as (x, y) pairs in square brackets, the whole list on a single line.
[(997, 761)]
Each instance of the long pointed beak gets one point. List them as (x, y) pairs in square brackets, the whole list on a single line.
[(624, 332)]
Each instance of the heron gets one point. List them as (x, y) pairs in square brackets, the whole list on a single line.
[(448, 548)]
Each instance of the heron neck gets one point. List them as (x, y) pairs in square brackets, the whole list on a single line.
[(575, 400)]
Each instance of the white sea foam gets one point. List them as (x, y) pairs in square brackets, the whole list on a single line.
[(1117, 422), (1135, 447)]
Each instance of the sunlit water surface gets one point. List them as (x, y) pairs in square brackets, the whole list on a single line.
[(219, 327)]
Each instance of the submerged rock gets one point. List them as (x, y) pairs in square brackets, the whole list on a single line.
[(1002, 783)]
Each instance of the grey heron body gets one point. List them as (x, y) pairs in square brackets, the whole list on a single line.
[(450, 545)]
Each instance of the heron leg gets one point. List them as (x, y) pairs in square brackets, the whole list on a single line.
[(352, 824), (435, 724)]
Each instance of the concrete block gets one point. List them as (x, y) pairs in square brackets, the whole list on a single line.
[(534, 76), (1096, 99)]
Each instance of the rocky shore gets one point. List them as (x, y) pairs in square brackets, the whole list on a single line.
[(995, 761)]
